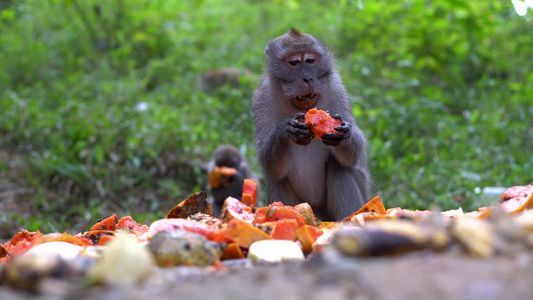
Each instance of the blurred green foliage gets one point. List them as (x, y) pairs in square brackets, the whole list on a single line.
[(101, 111)]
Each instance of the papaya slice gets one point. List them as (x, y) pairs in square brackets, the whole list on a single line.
[(109, 223), (261, 211), (233, 208), (320, 122), (519, 191), (286, 229), (375, 205), (362, 218), (196, 203), (104, 239), (307, 235), (244, 234), (514, 200), (307, 213), (220, 176), (127, 223), (64, 237), (328, 226), (211, 232), (249, 192), (206, 219), (517, 198), (276, 213), (22, 242), (232, 251), (96, 235)]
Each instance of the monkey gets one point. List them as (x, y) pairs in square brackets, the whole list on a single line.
[(227, 170), (215, 79), (330, 174)]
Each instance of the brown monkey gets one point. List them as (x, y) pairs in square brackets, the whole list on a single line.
[(227, 170), (215, 79), (332, 174)]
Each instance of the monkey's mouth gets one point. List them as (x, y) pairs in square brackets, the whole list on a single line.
[(306, 101)]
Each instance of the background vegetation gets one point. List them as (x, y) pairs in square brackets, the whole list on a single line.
[(101, 112)]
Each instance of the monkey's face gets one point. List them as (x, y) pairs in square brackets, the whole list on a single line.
[(227, 160), (300, 64), (301, 85), (227, 156)]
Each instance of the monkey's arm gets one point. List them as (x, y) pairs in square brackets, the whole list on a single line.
[(270, 148), (273, 146), (274, 132), (349, 145)]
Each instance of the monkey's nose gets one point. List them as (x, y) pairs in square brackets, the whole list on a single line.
[(308, 79)]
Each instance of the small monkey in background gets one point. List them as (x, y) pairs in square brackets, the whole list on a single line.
[(227, 170), (215, 79), (330, 174)]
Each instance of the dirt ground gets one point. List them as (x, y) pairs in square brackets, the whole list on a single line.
[(420, 275)]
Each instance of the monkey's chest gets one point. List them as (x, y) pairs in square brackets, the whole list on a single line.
[(307, 174)]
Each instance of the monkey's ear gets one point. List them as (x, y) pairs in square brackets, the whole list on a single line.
[(266, 50)]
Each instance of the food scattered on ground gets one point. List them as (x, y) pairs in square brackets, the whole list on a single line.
[(109, 223), (249, 192), (192, 236), (65, 250), (180, 247), (124, 262), (235, 209), (275, 251), (196, 203), (372, 207), (392, 236)]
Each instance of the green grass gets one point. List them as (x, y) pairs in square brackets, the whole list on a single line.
[(442, 89)]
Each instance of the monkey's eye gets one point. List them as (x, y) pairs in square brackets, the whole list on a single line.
[(309, 58), (294, 61)]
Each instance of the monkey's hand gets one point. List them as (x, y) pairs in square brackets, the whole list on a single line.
[(297, 130), (339, 137)]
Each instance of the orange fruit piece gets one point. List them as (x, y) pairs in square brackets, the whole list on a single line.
[(307, 235), (320, 122), (196, 203), (220, 176), (249, 192), (109, 223), (375, 205)]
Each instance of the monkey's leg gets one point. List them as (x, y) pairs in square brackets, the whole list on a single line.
[(217, 206), (234, 189), (347, 189), (283, 192)]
